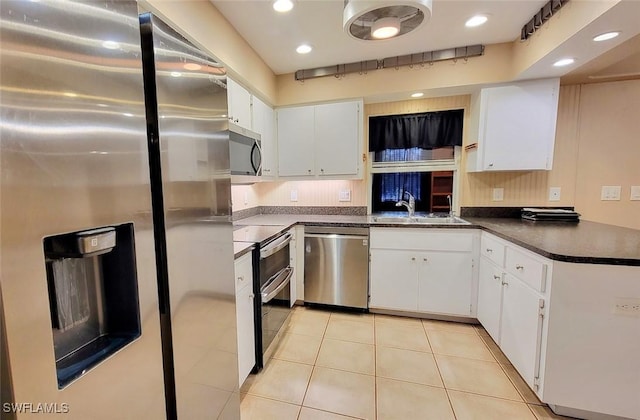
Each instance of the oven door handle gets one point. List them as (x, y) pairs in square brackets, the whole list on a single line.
[(275, 284), (275, 246)]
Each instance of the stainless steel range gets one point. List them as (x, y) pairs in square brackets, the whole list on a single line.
[(272, 284)]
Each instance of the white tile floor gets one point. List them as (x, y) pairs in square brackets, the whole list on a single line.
[(332, 365)]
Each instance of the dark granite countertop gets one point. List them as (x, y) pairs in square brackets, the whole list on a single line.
[(583, 242), (241, 248)]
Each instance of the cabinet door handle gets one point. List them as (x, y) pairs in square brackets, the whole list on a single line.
[(413, 258), (497, 277), (519, 267), (504, 283), (241, 278), (425, 259), (251, 296), (309, 170), (489, 250)]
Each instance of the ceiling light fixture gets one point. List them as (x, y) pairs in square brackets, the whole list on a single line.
[(175, 74), (282, 6), (70, 94), (387, 27), (364, 19), (417, 95), (564, 62), (304, 49), (606, 36), (476, 20)]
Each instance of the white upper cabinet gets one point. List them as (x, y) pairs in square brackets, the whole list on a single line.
[(336, 138), (514, 126), (320, 141), (263, 123), (295, 141), (239, 100)]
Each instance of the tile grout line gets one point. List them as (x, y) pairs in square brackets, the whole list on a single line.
[(314, 364), (444, 385)]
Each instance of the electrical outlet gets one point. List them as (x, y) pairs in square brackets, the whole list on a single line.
[(294, 195), (554, 194), (635, 193), (610, 193), (344, 195), (627, 306), (498, 194)]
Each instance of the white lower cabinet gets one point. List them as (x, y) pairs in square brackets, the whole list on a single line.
[(490, 297), (512, 303), (244, 316), (419, 270), (444, 282), (521, 328), (393, 280)]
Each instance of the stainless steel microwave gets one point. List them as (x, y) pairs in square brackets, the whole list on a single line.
[(245, 154)]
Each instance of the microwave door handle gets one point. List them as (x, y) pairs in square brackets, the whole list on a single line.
[(275, 246), (276, 284), (256, 170)]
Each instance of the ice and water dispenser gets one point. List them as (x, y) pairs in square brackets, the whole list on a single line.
[(93, 296)]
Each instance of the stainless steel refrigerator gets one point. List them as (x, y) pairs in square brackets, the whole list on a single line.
[(116, 255)]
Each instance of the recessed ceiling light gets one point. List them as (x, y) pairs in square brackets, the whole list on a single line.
[(127, 114), (386, 27), (110, 45), (175, 74), (282, 5), (70, 94), (103, 105), (476, 20), (304, 49), (417, 95), (564, 62), (606, 36), (192, 66)]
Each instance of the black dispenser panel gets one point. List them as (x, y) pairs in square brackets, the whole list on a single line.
[(93, 296)]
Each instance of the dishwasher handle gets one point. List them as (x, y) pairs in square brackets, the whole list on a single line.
[(335, 236)]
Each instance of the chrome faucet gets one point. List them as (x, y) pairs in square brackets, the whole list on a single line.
[(411, 205), (450, 206)]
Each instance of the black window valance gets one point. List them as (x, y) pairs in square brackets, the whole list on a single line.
[(428, 130)]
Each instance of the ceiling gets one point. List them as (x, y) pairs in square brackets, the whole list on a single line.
[(274, 36)]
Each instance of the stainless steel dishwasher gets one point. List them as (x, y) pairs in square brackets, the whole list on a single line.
[(336, 266)]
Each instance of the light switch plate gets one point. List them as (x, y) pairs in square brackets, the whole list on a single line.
[(344, 195), (294, 195), (610, 193), (554, 194), (498, 194), (635, 193)]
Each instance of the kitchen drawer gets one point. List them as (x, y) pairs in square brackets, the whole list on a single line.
[(244, 271), (424, 239), (527, 268), (492, 248)]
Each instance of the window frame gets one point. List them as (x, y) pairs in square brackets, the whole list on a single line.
[(417, 166)]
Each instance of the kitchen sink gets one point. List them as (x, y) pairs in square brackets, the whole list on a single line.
[(432, 219)]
